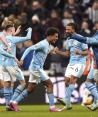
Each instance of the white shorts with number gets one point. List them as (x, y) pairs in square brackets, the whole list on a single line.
[(1, 72), (37, 76), (74, 70), (13, 73)]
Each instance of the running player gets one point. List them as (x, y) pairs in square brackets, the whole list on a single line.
[(37, 74)]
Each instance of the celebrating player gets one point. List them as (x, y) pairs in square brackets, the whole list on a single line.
[(10, 66), (92, 42), (37, 74), (78, 54)]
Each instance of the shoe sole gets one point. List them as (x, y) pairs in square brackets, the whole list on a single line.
[(61, 101)]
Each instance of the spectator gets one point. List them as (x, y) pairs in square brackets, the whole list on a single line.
[(37, 30), (85, 31), (93, 11), (38, 9), (67, 17), (75, 8), (95, 28), (55, 20)]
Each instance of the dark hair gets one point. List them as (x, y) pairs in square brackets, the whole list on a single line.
[(51, 31), (73, 25)]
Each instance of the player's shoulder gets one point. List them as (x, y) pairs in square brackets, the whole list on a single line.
[(1, 34), (10, 37), (40, 42), (44, 42)]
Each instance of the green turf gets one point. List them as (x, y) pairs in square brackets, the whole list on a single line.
[(42, 111)]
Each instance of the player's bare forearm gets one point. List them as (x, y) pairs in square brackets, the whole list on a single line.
[(65, 54), (83, 53)]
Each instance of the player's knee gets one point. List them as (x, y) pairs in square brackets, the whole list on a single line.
[(31, 87), (23, 85), (1, 84), (7, 84), (22, 82), (73, 80), (67, 81), (49, 86), (48, 83)]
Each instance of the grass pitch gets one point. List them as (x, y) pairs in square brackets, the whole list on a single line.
[(43, 111)]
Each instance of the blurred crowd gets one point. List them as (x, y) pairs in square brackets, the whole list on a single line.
[(41, 14)]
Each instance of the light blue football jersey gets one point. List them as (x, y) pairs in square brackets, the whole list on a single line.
[(40, 52), (71, 45), (12, 41), (4, 53)]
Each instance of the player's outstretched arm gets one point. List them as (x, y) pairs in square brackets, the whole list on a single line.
[(61, 53), (88, 40), (26, 52), (37, 46), (6, 54), (16, 39), (17, 30), (79, 38)]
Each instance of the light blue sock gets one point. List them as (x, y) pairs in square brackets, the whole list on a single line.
[(17, 92), (51, 99), (8, 92), (68, 92), (92, 88), (1, 92), (22, 96), (11, 91)]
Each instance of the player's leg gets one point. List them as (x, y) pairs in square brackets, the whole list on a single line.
[(8, 90), (31, 87), (73, 72), (49, 88), (69, 84), (1, 82), (1, 88), (92, 88), (16, 73), (96, 77), (69, 88)]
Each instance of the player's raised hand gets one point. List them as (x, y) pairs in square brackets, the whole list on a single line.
[(18, 30), (28, 29)]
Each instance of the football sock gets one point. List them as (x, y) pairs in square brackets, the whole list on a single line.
[(8, 92), (17, 92), (68, 92), (21, 96)]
